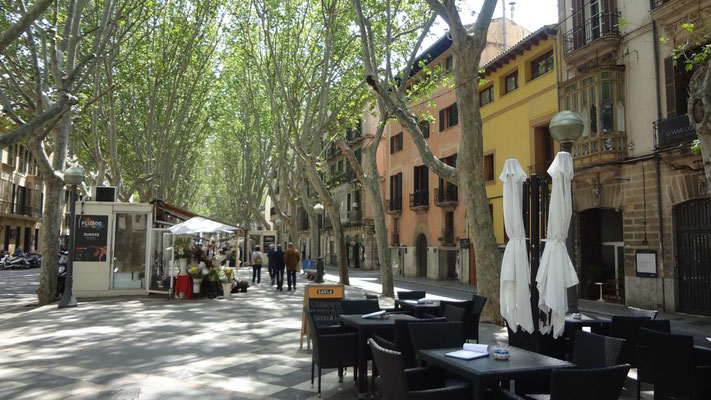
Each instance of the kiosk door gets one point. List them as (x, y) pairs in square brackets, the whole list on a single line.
[(129, 258)]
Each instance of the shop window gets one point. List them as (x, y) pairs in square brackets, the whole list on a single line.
[(489, 167), (448, 117), (486, 96), (511, 82), (541, 65)]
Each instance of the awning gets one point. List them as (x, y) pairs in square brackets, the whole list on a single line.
[(200, 225)]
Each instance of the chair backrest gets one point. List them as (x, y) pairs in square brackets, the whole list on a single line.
[(412, 295), (452, 313), (369, 296), (591, 350), (313, 332), (471, 324), (588, 384), (403, 340), (479, 302), (642, 313), (626, 328), (392, 371), (670, 361), (349, 307), (436, 335)]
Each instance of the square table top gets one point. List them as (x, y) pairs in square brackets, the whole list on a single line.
[(357, 320), (520, 363), (585, 320)]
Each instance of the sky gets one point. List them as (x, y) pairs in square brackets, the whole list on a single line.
[(531, 14)]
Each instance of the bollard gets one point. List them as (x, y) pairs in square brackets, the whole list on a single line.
[(319, 270)]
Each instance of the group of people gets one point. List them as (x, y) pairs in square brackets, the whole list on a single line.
[(277, 261)]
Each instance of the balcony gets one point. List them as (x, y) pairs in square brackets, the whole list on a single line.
[(671, 12), (394, 206), (395, 239), (673, 131), (420, 200), (605, 147), (447, 196), (355, 216), (654, 4), (592, 40)]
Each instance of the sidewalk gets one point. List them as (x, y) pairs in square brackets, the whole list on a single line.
[(695, 325)]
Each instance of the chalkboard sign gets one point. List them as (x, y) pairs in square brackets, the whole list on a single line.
[(325, 311), (325, 300)]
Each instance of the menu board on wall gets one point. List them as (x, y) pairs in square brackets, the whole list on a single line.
[(90, 237)]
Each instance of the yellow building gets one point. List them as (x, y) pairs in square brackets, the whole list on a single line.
[(517, 101)]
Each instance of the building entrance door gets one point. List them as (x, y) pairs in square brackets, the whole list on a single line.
[(693, 254), (602, 255), (421, 255)]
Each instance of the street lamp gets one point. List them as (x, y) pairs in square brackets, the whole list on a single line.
[(318, 208), (73, 176), (566, 127)]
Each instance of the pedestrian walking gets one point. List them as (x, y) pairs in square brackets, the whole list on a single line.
[(291, 259), (257, 265), (279, 267), (271, 263)]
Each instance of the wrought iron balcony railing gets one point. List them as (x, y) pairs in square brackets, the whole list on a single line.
[(447, 195), (673, 131), (657, 3), (601, 25), (394, 205), (420, 199)]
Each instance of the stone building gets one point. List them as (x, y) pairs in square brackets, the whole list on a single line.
[(642, 213)]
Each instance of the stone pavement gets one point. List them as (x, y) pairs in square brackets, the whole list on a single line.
[(245, 347)]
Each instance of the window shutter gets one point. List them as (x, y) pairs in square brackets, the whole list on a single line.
[(392, 146), (578, 24), (669, 87), (399, 185), (399, 139), (455, 115), (391, 186), (441, 120)]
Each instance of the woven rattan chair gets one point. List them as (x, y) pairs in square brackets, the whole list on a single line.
[(332, 348), (596, 351), (414, 383)]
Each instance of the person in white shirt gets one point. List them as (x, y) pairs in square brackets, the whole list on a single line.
[(256, 259)]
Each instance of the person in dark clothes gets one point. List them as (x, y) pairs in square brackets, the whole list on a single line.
[(272, 263), (279, 267)]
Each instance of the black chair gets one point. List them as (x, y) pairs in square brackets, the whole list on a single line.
[(436, 335), (583, 384), (471, 324), (591, 350), (642, 313), (414, 383), (412, 295), (333, 347), (349, 307), (672, 366), (369, 296)]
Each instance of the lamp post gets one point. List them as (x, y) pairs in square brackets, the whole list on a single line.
[(278, 223), (566, 127), (73, 176), (318, 208)]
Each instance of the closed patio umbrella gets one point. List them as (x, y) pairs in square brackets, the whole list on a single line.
[(515, 269), (556, 272)]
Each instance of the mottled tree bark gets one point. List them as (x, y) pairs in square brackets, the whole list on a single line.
[(699, 106)]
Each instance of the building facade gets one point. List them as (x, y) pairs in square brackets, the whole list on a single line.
[(426, 223), (21, 200), (642, 215)]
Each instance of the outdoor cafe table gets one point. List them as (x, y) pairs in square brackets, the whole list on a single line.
[(487, 372), (367, 327), (419, 310)]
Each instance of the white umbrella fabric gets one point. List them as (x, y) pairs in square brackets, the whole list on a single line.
[(200, 225), (515, 268), (556, 272)]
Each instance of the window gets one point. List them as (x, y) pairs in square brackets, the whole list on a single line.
[(489, 167), (22, 165), (396, 143), (424, 128), (11, 154), (511, 82), (448, 65), (448, 117), (420, 196), (541, 65), (486, 96), (396, 192)]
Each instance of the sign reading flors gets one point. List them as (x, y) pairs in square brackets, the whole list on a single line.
[(325, 302), (90, 237)]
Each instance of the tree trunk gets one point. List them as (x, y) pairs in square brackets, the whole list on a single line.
[(51, 228), (371, 182), (470, 169), (699, 106), (333, 210), (313, 236)]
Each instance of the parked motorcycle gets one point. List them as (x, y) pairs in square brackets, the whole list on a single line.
[(34, 259), (18, 260)]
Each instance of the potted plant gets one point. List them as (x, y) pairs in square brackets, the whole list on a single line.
[(196, 274), (242, 286), (225, 275), (182, 253)]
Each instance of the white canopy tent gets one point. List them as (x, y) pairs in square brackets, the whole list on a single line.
[(556, 272), (515, 267), (197, 225)]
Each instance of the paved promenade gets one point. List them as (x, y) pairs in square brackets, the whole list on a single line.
[(246, 347)]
